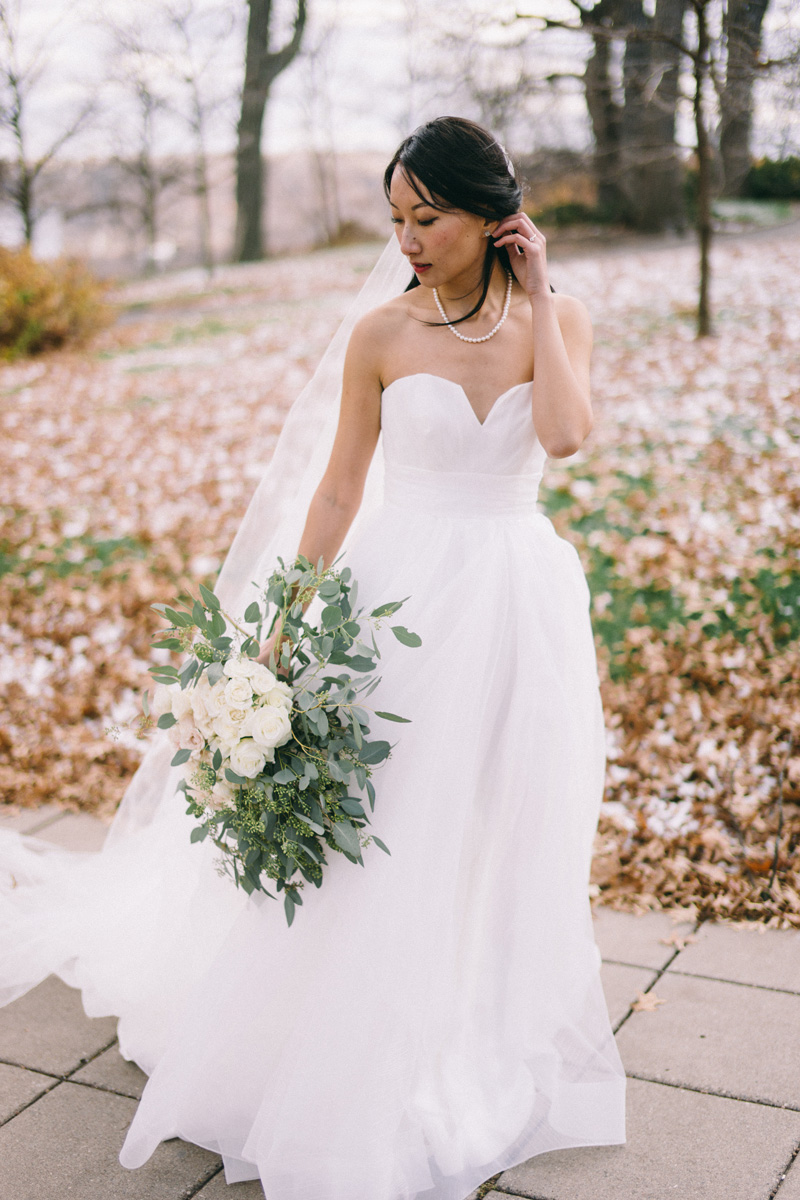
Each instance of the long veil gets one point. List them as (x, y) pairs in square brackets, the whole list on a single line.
[(274, 520), (49, 896)]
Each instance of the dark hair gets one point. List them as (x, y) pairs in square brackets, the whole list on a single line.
[(462, 167)]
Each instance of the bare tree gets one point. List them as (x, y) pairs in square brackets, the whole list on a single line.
[(199, 29), (262, 68), (696, 46), (318, 115), (23, 67), (138, 73)]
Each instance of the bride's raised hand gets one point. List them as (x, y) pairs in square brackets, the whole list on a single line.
[(528, 260)]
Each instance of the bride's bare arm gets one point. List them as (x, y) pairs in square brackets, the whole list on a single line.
[(562, 343), (338, 496)]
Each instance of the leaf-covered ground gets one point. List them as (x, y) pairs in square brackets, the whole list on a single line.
[(126, 468)]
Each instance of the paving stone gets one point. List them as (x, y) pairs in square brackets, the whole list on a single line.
[(29, 820), (770, 958), (18, 1088), (47, 1029), (67, 1146), (718, 1036), (110, 1070), (790, 1188), (620, 984), (636, 940), (218, 1189), (76, 831), (681, 1146)]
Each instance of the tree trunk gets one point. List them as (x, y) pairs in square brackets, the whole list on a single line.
[(652, 175), (703, 169), (743, 20), (262, 67), (604, 114)]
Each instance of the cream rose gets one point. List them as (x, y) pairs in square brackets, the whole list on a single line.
[(262, 679), (238, 692), (242, 668), (181, 702), (268, 727), (162, 700), (279, 695), (207, 704), (228, 726), (247, 758)]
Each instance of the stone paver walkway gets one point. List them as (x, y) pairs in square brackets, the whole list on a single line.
[(713, 1101)]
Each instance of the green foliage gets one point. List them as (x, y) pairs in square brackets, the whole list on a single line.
[(773, 179), (573, 213), (46, 305)]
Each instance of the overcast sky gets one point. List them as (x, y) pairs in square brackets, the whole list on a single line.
[(362, 98)]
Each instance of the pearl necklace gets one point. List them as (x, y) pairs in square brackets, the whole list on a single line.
[(492, 332)]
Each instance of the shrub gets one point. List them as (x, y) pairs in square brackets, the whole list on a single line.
[(46, 305), (773, 180), (572, 213)]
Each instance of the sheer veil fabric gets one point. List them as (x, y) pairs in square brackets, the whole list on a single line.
[(437, 1016)]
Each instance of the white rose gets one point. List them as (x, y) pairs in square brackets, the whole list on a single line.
[(279, 695), (262, 679), (162, 700), (247, 759), (242, 668), (238, 692), (228, 726), (268, 727), (207, 698), (181, 702)]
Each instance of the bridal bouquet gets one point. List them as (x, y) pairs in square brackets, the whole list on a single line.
[(272, 763)]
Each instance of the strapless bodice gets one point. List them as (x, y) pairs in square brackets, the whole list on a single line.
[(440, 458)]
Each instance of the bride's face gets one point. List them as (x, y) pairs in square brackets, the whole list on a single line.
[(440, 246)]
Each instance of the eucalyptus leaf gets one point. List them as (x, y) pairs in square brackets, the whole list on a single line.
[(180, 757), (215, 672), (375, 752), (346, 837), (167, 720), (209, 599), (387, 716), (403, 635), (307, 821), (381, 844), (252, 613), (198, 833)]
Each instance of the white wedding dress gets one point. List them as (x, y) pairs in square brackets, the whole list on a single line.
[(434, 1017)]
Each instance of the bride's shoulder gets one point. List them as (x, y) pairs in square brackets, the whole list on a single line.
[(385, 318), (572, 314), (570, 306), (380, 326)]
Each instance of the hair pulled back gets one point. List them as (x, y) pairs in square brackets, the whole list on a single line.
[(461, 166)]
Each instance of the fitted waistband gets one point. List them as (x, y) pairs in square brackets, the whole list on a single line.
[(460, 494)]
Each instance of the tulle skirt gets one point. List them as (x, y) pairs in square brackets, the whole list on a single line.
[(429, 1019)]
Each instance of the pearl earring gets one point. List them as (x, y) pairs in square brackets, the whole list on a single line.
[(487, 233)]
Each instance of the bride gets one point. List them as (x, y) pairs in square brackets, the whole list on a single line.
[(437, 1017)]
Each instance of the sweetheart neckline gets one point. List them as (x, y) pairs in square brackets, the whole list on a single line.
[(444, 379)]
